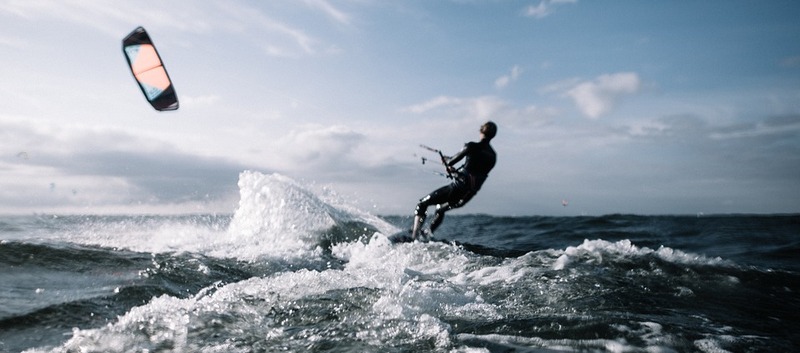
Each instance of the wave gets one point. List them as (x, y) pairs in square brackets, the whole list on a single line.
[(295, 269), (372, 300), (439, 296), (278, 217)]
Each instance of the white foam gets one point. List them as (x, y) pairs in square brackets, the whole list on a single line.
[(412, 298), (277, 217), (413, 288), (598, 251), (710, 345), (567, 345), (148, 235), (418, 277), (650, 333)]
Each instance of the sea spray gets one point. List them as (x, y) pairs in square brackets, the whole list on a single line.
[(570, 284), (279, 217)]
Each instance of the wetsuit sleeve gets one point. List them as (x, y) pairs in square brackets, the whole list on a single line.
[(459, 156)]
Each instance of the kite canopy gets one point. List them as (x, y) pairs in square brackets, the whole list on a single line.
[(149, 71)]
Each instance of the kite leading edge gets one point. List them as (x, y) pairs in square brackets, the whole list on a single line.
[(149, 71)]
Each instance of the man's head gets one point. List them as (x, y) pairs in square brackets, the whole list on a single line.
[(489, 130)]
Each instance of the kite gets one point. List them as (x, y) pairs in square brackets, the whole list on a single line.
[(149, 71)]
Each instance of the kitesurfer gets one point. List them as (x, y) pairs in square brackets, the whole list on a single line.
[(467, 180)]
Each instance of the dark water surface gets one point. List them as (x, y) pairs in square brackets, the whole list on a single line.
[(323, 278)]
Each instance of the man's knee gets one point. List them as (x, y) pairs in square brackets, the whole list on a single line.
[(421, 210), (441, 209), (438, 217), (422, 206)]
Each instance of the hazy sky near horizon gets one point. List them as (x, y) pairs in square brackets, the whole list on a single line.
[(648, 107)]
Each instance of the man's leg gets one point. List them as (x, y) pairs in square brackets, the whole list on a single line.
[(454, 202), (436, 197), (419, 219), (438, 217)]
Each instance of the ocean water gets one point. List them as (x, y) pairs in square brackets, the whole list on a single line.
[(296, 270)]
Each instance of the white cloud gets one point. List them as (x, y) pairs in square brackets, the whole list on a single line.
[(275, 31), (601, 95), (505, 80), (486, 108), (104, 17), (13, 42), (772, 129), (545, 8), (559, 86), (47, 166), (278, 37), (330, 10), (475, 108), (459, 115), (438, 102), (205, 100), (316, 146)]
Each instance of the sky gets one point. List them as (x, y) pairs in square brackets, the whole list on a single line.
[(641, 107)]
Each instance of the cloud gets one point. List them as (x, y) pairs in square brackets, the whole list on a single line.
[(269, 31), (104, 17), (12, 42), (316, 146), (81, 166), (277, 38), (329, 10), (545, 8), (455, 113), (204, 100), (599, 96), (772, 129), (760, 145), (505, 80), (437, 102), (480, 108), (165, 176), (685, 161)]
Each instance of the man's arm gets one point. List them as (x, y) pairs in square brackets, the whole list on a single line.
[(458, 157)]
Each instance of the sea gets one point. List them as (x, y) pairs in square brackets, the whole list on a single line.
[(298, 269)]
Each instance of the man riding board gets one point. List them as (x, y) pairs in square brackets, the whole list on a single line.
[(467, 180)]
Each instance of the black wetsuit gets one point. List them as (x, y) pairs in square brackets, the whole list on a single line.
[(480, 159)]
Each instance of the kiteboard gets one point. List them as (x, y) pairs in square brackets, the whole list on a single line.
[(403, 236)]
